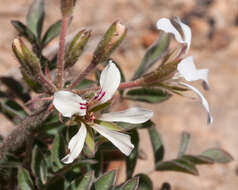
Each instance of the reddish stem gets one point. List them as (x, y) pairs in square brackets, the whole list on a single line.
[(131, 84), (82, 76), (60, 65)]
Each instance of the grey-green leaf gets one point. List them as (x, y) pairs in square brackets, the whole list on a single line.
[(145, 182), (106, 181), (131, 184), (57, 151), (158, 147), (218, 155), (149, 95), (83, 183), (153, 54), (178, 165), (199, 159), (38, 165), (24, 179), (185, 138), (132, 158), (25, 32), (35, 17), (52, 32)]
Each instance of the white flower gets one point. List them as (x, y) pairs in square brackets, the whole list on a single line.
[(165, 25), (188, 71), (68, 104), (120, 140)]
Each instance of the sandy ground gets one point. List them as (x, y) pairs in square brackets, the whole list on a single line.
[(214, 46)]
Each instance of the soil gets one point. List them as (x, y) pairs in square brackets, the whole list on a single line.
[(214, 46)]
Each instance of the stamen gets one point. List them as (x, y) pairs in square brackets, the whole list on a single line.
[(98, 94)]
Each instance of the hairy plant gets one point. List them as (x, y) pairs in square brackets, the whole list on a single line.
[(66, 135)]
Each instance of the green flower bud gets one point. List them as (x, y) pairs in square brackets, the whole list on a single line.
[(76, 48), (28, 60), (110, 41), (67, 7)]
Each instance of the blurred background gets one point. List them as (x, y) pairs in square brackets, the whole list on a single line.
[(214, 26)]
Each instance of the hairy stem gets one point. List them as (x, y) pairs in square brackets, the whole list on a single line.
[(60, 65), (22, 131), (82, 75), (50, 87), (131, 84)]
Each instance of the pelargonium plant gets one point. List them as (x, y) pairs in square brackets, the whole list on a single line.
[(68, 130)]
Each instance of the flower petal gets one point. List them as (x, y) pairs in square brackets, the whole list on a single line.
[(133, 115), (68, 103), (165, 25), (120, 140), (204, 101), (109, 81), (76, 144), (188, 70)]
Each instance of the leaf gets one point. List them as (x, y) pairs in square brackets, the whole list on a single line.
[(24, 179), (145, 182), (108, 125), (153, 54), (38, 165), (218, 155), (25, 32), (16, 88), (149, 95), (35, 17), (200, 159), (185, 138), (132, 158), (131, 184), (52, 32), (90, 140), (58, 151), (157, 144), (85, 83), (178, 165), (106, 181), (83, 183), (12, 110)]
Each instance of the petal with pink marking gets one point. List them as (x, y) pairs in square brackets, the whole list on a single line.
[(109, 81), (68, 103)]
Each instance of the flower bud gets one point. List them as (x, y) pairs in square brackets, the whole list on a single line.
[(28, 60), (67, 7), (161, 73), (111, 40), (76, 48)]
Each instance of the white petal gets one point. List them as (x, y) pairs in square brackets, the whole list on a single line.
[(76, 144), (165, 25), (189, 71), (132, 115), (120, 140), (109, 81), (68, 103), (204, 101), (187, 34)]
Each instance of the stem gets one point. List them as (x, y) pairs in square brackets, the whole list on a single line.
[(22, 132), (131, 84), (60, 65), (82, 75), (46, 83)]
